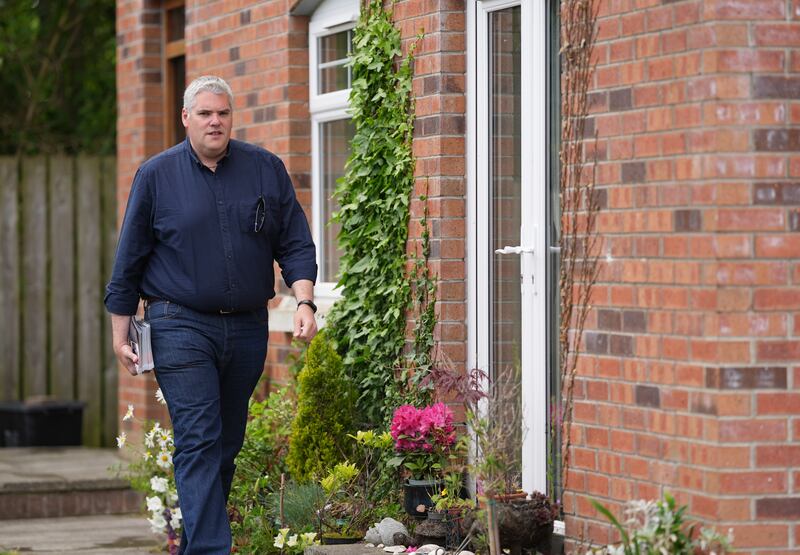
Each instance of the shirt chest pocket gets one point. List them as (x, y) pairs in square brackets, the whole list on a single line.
[(259, 216)]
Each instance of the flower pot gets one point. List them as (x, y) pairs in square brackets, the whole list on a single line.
[(417, 496), (435, 515)]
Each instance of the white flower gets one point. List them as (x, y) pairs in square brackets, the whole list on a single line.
[(172, 497), (121, 439), (147, 455), (176, 517), (292, 541), (164, 459), (160, 396), (148, 440), (154, 504), (280, 541), (164, 438), (129, 414), (159, 484), (308, 538), (157, 523)]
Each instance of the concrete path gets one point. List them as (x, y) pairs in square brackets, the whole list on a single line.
[(76, 489), (82, 535)]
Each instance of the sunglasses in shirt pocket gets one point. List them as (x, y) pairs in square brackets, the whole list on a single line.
[(258, 215)]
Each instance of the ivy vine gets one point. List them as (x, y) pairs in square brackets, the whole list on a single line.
[(368, 323)]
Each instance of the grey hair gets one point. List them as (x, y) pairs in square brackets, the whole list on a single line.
[(210, 83)]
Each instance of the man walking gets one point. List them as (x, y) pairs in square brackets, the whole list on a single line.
[(205, 220)]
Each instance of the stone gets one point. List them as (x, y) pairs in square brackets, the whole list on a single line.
[(394, 548), (369, 545), (403, 539), (387, 528), (465, 552), (430, 531), (373, 535), (427, 548)]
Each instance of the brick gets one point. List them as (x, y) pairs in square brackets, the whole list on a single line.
[(760, 535), (648, 396), (776, 87), (778, 403), (778, 455), (776, 140), (778, 508), (777, 350), (756, 430), (752, 482), (738, 9), (746, 378)]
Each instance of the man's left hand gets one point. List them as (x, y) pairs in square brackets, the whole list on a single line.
[(305, 325)]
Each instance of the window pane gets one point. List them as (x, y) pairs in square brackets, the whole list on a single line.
[(505, 182), (333, 74), (334, 47), (176, 23), (334, 149)]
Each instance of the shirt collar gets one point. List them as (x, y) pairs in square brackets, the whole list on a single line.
[(188, 146)]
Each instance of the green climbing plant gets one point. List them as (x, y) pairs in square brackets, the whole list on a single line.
[(368, 323)]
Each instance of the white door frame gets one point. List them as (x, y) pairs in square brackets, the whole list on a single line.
[(533, 230)]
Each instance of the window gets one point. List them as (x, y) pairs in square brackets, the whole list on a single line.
[(174, 70), (330, 45)]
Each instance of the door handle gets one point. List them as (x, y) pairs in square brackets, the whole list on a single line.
[(515, 250)]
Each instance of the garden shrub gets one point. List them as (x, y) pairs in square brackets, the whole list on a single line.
[(325, 413), (260, 464)]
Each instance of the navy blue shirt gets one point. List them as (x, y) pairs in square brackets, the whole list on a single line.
[(191, 236)]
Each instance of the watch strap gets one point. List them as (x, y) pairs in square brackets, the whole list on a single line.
[(309, 303)]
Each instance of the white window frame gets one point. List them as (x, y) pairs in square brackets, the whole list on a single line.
[(333, 16), (534, 160)]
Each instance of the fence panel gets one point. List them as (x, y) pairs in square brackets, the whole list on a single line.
[(90, 284), (57, 244), (9, 279), (34, 276), (62, 276)]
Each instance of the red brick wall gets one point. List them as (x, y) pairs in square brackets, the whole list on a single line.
[(691, 383), (139, 136), (439, 87)]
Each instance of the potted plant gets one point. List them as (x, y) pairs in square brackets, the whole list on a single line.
[(335, 515), (450, 505), (423, 439), (515, 519)]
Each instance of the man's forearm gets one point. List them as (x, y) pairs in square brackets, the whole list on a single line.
[(303, 289), (119, 330)]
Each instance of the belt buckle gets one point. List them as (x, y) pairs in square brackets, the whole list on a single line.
[(223, 311)]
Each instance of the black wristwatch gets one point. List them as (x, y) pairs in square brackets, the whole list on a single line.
[(310, 304)]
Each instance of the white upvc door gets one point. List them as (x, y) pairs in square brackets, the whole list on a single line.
[(507, 124)]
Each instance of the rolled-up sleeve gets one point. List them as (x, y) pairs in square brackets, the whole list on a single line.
[(295, 251), (135, 243)]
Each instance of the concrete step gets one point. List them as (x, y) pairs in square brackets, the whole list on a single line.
[(47, 482), (86, 535)]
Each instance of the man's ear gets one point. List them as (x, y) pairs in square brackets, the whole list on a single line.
[(185, 117)]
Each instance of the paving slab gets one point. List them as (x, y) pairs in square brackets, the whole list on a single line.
[(85, 535), (52, 468)]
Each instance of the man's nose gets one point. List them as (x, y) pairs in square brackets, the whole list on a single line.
[(215, 120)]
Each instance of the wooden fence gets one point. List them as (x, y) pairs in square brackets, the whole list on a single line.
[(57, 241)]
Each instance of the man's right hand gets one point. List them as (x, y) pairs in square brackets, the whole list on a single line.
[(119, 337)]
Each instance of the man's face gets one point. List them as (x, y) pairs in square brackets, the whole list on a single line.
[(208, 125)]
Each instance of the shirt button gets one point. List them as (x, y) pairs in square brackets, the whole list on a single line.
[(229, 257)]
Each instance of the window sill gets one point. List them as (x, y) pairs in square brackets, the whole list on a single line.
[(281, 318)]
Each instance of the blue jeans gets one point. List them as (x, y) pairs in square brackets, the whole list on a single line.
[(207, 366)]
